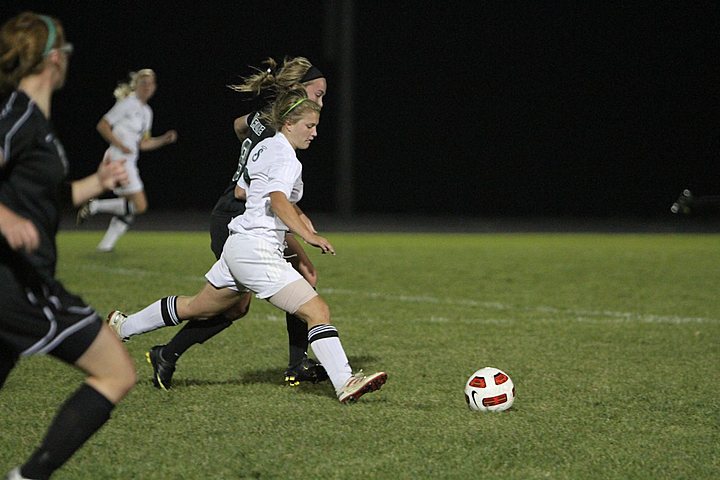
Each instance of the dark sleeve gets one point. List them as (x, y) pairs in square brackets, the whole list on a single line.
[(14, 139), (15, 142), (65, 193)]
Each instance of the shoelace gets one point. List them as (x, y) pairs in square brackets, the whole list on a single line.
[(357, 376)]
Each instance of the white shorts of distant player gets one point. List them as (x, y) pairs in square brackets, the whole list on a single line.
[(135, 183), (253, 264)]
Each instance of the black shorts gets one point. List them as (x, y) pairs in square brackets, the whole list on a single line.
[(45, 319)]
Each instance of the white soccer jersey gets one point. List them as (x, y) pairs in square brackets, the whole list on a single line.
[(130, 120), (272, 167)]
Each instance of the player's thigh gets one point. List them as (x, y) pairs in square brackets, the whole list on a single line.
[(210, 301), (292, 296)]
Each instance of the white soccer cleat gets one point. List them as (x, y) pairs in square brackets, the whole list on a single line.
[(115, 320), (360, 384), (107, 244), (104, 248), (116, 229)]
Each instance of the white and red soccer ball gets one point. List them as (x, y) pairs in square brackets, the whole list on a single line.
[(489, 390)]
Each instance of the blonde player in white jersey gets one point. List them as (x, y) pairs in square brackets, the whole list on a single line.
[(252, 258), (126, 127)]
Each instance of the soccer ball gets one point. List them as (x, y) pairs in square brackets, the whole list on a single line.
[(489, 390)]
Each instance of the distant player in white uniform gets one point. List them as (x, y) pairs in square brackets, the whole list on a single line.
[(126, 127), (252, 259)]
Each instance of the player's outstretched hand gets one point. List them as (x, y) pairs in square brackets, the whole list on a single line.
[(321, 243), (112, 173), (169, 137)]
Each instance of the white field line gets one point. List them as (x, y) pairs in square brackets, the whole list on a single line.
[(580, 315), (137, 272), (584, 316)]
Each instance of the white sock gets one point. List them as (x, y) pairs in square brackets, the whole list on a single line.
[(116, 229), (161, 313), (117, 206), (326, 345)]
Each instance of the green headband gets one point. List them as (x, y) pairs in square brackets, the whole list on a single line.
[(52, 33), (292, 107)]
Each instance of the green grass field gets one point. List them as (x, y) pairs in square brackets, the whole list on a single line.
[(613, 342)]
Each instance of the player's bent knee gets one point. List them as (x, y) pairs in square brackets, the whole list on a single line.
[(314, 312), (115, 365), (126, 382), (293, 296), (113, 376), (238, 311), (122, 370)]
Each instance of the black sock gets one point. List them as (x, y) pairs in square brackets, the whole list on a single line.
[(297, 339), (77, 419), (194, 332)]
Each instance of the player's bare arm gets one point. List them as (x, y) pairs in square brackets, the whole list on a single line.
[(109, 175), (305, 219), (300, 260), (153, 143), (105, 130), (240, 193), (240, 125), (286, 211)]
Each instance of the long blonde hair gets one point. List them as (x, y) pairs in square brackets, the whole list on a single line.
[(126, 88), (273, 79)]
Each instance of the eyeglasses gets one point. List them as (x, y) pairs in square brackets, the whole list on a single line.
[(66, 48)]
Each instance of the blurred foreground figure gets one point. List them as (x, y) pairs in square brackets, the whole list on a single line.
[(37, 315)]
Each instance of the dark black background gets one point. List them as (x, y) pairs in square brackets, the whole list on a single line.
[(461, 108)]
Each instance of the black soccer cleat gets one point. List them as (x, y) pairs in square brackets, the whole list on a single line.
[(84, 212), (162, 369), (308, 370)]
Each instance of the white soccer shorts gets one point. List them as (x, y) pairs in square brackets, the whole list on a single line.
[(250, 263), (135, 183)]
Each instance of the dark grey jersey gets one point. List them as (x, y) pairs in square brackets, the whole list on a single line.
[(227, 204), (32, 168)]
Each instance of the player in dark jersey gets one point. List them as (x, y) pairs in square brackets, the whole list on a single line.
[(37, 315), (250, 129)]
